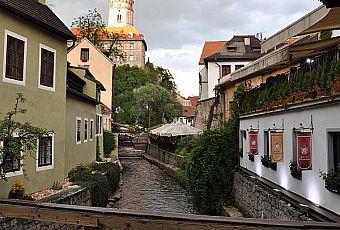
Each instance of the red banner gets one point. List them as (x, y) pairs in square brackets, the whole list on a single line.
[(253, 143), (276, 140), (304, 151)]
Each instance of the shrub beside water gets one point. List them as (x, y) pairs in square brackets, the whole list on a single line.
[(109, 143), (100, 179)]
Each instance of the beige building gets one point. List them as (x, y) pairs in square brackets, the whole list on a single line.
[(130, 42)]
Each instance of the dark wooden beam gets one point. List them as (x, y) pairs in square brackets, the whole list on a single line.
[(135, 220)]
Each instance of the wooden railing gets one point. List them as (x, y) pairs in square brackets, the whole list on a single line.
[(104, 218)]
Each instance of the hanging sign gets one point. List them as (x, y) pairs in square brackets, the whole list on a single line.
[(276, 140), (253, 143), (304, 150)]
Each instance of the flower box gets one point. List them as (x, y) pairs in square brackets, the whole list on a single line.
[(332, 181), (294, 171)]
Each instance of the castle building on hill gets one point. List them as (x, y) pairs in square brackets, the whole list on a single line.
[(130, 41)]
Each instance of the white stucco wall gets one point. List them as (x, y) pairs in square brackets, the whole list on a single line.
[(203, 90), (311, 186), (214, 74)]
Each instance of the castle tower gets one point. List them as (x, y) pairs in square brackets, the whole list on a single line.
[(121, 13)]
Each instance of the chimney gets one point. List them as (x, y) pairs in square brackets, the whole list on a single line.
[(247, 41)]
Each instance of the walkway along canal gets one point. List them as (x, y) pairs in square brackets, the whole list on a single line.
[(148, 188)]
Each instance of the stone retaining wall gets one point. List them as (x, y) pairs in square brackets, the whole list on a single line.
[(256, 201), (165, 156)]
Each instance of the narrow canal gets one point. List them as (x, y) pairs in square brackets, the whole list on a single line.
[(148, 188)]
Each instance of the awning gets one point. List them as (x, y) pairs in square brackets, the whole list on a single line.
[(280, 58), (318, 20)]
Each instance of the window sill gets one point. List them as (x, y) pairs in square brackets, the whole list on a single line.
[(13, 81), (44, 168), (47, 88)]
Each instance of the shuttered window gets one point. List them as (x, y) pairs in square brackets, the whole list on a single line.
[(226, 69), (12, 163), (47, 68), (15, 58)]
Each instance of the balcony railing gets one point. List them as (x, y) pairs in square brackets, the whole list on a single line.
[(315, 78)]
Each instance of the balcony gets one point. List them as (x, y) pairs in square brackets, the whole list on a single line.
[(316, 78)]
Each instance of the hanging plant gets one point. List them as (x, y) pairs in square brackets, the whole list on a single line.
[(332, 181), (294, 171)]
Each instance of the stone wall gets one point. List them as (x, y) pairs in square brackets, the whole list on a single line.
[(165, 156), (257, 201), (74, 196), (202, 114)]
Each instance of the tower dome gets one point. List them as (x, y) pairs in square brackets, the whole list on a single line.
[(121, 13)]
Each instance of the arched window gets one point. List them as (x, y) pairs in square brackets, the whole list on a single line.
[(119, 18)]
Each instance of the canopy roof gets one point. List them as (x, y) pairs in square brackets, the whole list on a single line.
[(318, 20), (176, 129)]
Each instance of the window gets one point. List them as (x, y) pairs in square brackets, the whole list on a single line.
[(226, 70), (237, 67), (84, 54), (45, 151), (132, 46), (91, 129), (232, 49), (15, 58), (336, 152), (47, 68), (12, 164), (78, 130), (266, 143), (131, 58), (85, 129), (119, 18), (100, 125), (97, 124)]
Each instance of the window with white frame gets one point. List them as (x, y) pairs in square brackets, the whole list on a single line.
[(78, 130), (12, 163), (91, 129), (86, 129), (45, 153), (14, 65), (97, 124), (131, 58), (47, 68)]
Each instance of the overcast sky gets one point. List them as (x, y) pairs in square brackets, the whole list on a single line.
[(175, 30)]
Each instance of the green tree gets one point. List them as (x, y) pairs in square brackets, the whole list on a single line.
[(128, 79), (92, 26), (17, 137), (155, 105)]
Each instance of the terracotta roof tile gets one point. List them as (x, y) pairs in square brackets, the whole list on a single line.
[(211, 47), (39, 14), (188, 111)]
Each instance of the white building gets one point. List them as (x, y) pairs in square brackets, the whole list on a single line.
[(229, 57), (121, 13)]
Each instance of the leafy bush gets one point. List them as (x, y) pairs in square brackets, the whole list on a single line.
[(57, 186), (109, 143), (294, 171), (332, 181), (112, 172), (184, 146), (101, 179), (211, 166)]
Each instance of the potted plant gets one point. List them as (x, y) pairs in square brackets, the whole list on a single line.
[(273, 165), (332, 181), (265, 161), (294, 171)]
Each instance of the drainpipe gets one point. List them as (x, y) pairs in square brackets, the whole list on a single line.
[(219, 72)]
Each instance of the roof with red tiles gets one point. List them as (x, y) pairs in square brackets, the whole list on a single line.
[(211, 47)]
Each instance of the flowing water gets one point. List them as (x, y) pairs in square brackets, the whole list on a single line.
[(148, 188)]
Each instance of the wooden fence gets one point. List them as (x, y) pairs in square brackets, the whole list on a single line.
[(104, 218)]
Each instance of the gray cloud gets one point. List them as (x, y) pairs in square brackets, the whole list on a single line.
[(173, 28)]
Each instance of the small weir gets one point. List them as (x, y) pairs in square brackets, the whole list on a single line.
[(148, 188)]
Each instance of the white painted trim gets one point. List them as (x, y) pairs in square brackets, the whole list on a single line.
[(24, 39), (49, 167), (86, 120), (42, 46), (91, 122), (16, 173), (78, 119)]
